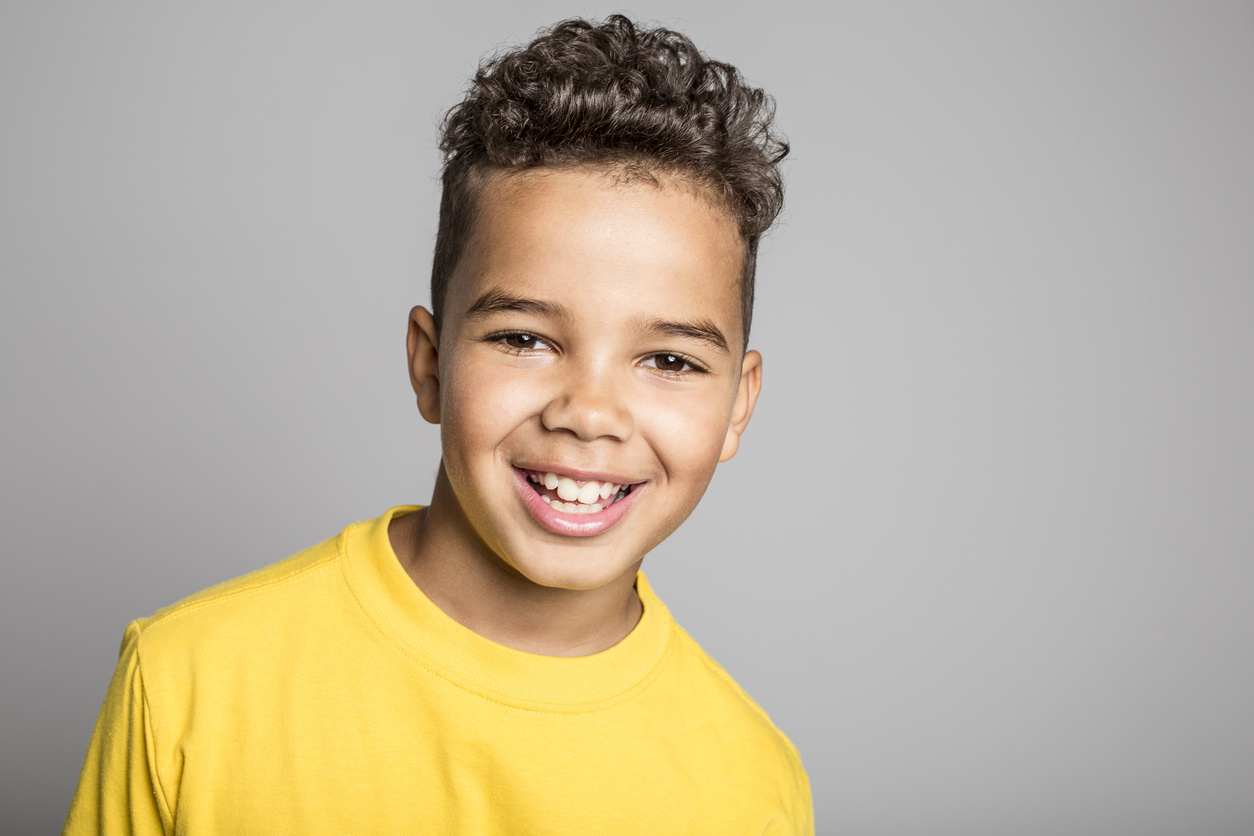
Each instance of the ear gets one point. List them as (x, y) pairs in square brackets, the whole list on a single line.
[(746, 398), (423, 344)]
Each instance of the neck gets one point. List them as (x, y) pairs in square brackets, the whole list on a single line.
[(475, 587)]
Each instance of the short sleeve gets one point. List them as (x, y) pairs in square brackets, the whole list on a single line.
[(117, 790), (805, 805), (800, 821)]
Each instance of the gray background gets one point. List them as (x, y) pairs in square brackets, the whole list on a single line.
[(986, 553)]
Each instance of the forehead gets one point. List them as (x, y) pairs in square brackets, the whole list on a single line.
[(607, 247)]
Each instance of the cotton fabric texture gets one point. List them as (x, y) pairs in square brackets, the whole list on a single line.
[(326, 695)]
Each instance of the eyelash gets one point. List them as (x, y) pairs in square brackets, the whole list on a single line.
[(693, 367), (501, 336)]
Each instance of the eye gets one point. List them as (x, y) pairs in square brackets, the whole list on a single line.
[(673, 364), (518, 342)]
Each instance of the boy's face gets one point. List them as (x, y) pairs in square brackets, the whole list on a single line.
[(592, 335)]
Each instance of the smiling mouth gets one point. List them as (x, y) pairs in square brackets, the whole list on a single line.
[(562, 493)]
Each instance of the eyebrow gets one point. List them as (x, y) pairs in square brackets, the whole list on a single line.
[(498, 301), (701, 330)]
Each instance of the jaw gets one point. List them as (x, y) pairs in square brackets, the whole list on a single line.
[(516, 590)]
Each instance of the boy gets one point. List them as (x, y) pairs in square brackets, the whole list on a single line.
[(494, 662)]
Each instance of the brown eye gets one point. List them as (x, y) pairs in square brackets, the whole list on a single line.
[(669, 362), (523, 341)]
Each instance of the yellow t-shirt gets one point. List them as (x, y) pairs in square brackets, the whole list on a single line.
[(327, 694)]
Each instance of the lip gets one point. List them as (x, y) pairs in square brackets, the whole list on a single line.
[(579, 475), (573, 525)]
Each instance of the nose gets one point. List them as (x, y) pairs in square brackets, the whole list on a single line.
[(591, 404)]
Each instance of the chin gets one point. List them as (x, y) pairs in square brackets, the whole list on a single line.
[(575, 572)]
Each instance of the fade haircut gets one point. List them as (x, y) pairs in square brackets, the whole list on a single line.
[(642, 103)]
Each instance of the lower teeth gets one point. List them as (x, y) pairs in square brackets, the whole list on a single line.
[(572, 507), (579, 508)]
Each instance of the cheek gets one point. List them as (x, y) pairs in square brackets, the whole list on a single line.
[(481, 406), (688, 434)]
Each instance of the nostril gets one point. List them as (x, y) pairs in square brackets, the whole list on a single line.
[(589, 412)]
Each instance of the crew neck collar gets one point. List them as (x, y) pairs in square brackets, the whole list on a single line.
[(422, 630)]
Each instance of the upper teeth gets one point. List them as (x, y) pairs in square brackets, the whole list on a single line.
[(587, 492)]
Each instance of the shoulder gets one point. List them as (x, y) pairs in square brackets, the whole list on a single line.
[(248, 605), (697, 665), (727, 727), (707, 690)]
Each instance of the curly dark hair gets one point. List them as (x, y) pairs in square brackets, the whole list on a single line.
[(642, 102)]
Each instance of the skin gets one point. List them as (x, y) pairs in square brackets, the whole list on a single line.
[(609, 298)]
